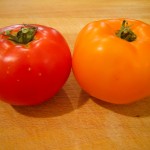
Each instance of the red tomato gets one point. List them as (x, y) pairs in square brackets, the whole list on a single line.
[(35, 62), (111, 60)]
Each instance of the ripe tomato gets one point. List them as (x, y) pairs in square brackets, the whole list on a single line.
[(35, 62), (111, 60)]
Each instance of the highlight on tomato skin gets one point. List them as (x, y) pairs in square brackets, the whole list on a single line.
[(111, 60), (35, 62)]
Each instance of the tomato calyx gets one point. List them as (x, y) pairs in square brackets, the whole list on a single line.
[(126, 33), (23, 36)]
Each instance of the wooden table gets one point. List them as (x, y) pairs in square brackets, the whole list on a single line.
[(72, 120)]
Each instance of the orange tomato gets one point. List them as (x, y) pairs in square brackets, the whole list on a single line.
[(111, 60)]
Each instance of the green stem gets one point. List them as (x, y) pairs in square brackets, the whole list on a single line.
[(126, 33), (24, 35)]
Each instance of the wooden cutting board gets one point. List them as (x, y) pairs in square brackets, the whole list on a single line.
[(73, 120)]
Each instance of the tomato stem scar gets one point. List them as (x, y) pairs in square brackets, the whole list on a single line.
[(23, 36), (126, 33)]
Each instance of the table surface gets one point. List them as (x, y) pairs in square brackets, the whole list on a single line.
[(73, 120)]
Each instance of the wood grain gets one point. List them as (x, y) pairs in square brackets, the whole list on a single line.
[(73, 120)]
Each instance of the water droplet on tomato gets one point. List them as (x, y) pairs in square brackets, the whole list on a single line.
[(18, 80), (29, 69), (39, 74), (7, 72)]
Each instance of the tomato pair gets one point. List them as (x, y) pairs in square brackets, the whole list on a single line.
[(111, 61)]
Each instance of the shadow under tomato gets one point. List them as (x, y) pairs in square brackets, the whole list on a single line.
[(59, 105), (137, 109)]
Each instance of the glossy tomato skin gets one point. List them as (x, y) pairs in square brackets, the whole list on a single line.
[(110, 68), (34, 72)]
